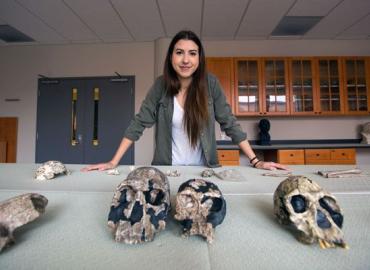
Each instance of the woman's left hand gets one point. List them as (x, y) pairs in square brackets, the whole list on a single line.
[(271, 166)]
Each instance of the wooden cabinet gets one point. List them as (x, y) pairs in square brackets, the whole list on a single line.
[(248, 91), (228, 157), (294, 85), (312, 156), (329, 86), (222, 68), (302, 88), (330, 156), (275, 86), (357, 85), (261, 86)]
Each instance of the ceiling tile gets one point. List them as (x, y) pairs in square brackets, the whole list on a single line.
[(313, 7), (178, 15), (262, 17), (342, 17), (60, 18), (141, 17), (23, 20), (221, 18), (360, 30), (101, 18)]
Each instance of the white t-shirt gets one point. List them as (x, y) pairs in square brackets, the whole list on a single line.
[(182, 152)]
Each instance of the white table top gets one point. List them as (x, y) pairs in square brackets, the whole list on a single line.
[(72, 234)]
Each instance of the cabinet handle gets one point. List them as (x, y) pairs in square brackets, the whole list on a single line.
[(96, 116), (317, 155), (74, 140), (292, 155)]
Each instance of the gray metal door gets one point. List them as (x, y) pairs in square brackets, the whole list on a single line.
[(82, 120)]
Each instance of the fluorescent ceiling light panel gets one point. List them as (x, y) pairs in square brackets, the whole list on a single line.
[(295, 25), (10, 34)]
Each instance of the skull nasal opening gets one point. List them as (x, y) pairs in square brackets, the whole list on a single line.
[(298, 203)]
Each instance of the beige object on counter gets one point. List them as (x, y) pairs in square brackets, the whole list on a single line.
[(341, 173)]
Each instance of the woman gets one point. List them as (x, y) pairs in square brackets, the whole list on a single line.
[(184, 104)]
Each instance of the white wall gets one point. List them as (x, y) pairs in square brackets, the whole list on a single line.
[(20, 65)]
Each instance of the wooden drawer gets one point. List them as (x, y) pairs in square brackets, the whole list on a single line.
[(315, 156), (344, 156), (294, 157), (228, 157)]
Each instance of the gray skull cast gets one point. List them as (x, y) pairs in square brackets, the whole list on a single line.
[(18, 211), (314, 212), (140, 206), (200, 207), (50, 169)]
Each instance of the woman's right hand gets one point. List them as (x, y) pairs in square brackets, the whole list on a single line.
[(99, 167)]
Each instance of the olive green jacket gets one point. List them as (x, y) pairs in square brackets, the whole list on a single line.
[(157, 108)]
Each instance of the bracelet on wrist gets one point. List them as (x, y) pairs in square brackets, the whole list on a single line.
[(250, 161), (255, 164)]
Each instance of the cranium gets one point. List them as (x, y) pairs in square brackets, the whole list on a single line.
[(314, 212), (50, 169), (18, 211), (200, 207), (140, 206)]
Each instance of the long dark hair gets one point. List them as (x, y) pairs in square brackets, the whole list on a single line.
[(195, 108)]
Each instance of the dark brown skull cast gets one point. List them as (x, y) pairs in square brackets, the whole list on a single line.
[(200, 207)]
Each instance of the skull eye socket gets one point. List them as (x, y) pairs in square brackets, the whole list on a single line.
[(298, 203), (329, 204), (154, 197), (322, 221)]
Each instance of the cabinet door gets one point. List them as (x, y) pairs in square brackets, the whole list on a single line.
[(330, 89), (357, 85), (275, 86), (302, 87), (248, 91), (222, 68)]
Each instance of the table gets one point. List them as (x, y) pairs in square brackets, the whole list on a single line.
[(72, 234)]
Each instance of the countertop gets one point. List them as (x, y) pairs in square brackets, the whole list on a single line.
[(73, 232), (297, 144)]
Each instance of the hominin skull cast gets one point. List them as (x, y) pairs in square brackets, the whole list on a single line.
[(50, 169), (314, 212), (200, 207), (140, 206)]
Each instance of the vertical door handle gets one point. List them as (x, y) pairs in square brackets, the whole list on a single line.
[(95, 141), (74, 140)]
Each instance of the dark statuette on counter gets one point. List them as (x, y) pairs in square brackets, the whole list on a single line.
[(18, 211), (200, 207), (140, 206), (313, 212), (265, 138)]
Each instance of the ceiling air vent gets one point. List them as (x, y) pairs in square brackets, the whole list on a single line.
[(295, 25), (11, 35)]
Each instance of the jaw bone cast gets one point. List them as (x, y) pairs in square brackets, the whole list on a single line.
[(140, 206), (312, 211), (200, 207)]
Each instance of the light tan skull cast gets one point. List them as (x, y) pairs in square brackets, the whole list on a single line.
[(314, 212), (140, 206)]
